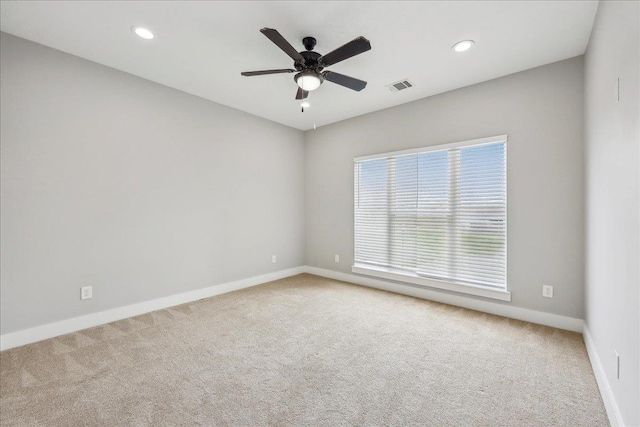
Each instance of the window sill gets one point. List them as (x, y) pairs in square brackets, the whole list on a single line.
[(480, 291)]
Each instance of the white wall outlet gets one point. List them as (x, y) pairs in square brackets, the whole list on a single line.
[(547, 291), (273, 259), (337, 258), (617, 364), (86, 292)]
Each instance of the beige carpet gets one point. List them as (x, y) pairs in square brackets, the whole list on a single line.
[(304, 351)]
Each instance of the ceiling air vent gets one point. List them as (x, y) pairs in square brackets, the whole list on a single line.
[(401, 85)]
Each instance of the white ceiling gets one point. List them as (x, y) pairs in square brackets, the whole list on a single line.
[(201, 47)]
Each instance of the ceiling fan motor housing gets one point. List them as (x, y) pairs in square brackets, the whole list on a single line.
[(311, 65), (311, 61)]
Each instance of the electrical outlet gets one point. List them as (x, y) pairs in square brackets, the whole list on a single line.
[(547, 291), (617, 364), (337, 258), (86, 292), (273, 259)]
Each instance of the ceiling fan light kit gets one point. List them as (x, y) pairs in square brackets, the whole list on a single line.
[(310, 65), (308, 80)]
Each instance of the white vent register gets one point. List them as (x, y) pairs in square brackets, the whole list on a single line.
[(401, 85)]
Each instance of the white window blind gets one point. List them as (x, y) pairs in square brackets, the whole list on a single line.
[(435, 213)]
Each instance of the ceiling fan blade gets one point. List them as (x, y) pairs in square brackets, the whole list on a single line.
[(263, 72), (282, 43), (353, 48), (302, 94), (346, 81)]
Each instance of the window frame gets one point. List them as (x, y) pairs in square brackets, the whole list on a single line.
[(414, 278)]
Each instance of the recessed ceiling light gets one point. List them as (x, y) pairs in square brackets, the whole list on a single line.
[(463, 45), (305, 105), (142, 32)]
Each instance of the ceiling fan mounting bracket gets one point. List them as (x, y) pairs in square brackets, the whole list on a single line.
[(309, 43)]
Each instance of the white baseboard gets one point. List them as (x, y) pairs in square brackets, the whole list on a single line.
[(50, 330), (39, 333), (603, 383), (539, 317)]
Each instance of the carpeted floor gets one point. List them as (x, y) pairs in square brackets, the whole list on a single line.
[(304, 351)]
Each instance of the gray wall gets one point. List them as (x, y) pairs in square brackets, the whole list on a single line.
[(612, 138), (542, 112), (139, 190)]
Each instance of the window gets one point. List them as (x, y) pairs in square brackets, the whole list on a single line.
[(435, 216)]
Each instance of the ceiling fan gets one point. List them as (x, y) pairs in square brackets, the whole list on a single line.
[(310, 65)]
